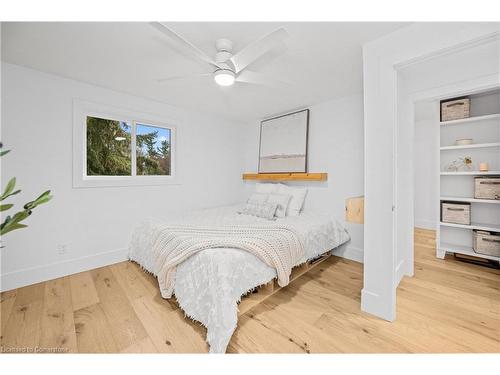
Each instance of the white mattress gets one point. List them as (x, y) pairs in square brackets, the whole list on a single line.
[(209, 284)]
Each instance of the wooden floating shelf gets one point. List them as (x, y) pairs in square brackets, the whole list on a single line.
[(355, 210), (286, 176)]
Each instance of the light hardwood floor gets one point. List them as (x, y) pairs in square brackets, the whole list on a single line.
[(449, 306)]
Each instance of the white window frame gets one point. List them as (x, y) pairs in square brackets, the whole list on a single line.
[(82, 109)]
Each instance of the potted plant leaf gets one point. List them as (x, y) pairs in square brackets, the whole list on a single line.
[(14, 222)]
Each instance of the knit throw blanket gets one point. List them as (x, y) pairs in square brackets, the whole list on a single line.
[(279, 246)]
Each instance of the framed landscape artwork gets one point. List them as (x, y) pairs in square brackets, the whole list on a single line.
[(283, 143)]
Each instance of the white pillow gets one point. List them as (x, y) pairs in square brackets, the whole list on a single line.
[(258, 198), (265, 210), (297, 199), (282, 201), (266, 188)]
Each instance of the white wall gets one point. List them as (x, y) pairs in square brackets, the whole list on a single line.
[(95, 223), (335, 146), (425, 163)]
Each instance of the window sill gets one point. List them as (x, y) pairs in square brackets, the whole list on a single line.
[(124, 181)]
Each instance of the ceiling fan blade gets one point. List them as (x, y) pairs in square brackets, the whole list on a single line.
[(183, 43), (256, 49), (177, 78), (248, 76)]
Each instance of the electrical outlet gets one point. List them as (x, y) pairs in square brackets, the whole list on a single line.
[(62, 249)]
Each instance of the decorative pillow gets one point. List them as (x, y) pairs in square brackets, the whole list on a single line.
[(266, 188), (264, 210), (282, 201), (258, 198), (297, 200)]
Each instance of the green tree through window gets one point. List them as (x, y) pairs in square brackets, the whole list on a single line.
[(153, 150), (109, 148)]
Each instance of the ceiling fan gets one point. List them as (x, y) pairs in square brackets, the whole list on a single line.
[(229, 68)]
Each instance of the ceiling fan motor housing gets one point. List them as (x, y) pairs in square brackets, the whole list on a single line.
[(224, 45), (222, 57), (224, 49)]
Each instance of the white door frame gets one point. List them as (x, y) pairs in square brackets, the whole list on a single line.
[(382, 59)]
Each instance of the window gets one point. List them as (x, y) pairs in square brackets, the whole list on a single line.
[(118, 148), (108, 147), (152, 150)]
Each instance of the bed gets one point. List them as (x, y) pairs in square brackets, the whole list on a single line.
[(210, 284)]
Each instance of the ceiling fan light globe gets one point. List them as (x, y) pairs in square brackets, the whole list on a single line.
[(224, 77)]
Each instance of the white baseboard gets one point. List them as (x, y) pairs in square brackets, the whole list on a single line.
[(374, 304), (33, 275), (425, 224), (349, 252)]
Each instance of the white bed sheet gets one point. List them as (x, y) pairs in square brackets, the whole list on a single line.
[(209, 285)]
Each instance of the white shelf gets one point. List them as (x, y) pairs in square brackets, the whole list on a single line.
[(469, 173), (477, 145), (457, 238), (465, 250), (478, 226), (471, 200), (471, 119)]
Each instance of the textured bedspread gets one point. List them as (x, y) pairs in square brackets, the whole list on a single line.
[(277, 245), (209, 284)]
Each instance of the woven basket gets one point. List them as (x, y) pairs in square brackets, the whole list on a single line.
[(455, 109), (487, 187), (487, 243), (456, 213)]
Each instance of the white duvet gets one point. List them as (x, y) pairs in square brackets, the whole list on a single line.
[(209, 285)]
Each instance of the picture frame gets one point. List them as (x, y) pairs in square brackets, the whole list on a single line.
[(283, 144)]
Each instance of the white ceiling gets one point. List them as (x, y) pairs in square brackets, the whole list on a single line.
[(323, 60)]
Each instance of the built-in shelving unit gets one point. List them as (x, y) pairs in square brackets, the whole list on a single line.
[(483, 127)]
